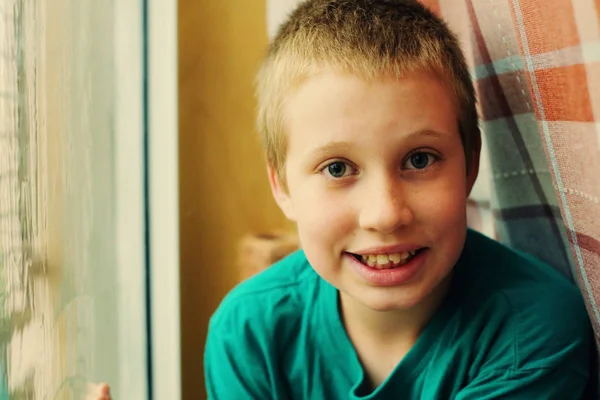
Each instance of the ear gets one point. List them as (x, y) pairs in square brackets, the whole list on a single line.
[(280, 193), (474, 165)]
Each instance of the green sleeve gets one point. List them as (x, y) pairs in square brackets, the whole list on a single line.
[(234, 367), (543, 383)]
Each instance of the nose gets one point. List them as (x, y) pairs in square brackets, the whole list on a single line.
[(386, 208)]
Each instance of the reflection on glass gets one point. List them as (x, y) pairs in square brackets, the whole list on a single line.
[(58, 289)]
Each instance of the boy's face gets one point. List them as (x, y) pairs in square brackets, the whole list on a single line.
[(376, 168)]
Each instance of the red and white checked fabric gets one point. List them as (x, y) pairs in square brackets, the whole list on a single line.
[(536, 65)]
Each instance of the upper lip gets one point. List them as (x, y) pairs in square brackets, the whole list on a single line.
[(400, 248)]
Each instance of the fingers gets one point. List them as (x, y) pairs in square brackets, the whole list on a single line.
[(104, 392), (98, 391)]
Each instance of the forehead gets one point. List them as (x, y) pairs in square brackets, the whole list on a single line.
[(335, 103)]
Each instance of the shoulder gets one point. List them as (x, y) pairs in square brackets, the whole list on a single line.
[(531, 312), (278, 294), (490, 267), (253, 326)]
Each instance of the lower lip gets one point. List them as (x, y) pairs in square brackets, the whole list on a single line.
[(388, 277)]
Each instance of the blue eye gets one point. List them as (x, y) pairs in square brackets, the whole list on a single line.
[(420, 160), (337, 169)]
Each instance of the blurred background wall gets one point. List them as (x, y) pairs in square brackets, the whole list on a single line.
[(223, 186)]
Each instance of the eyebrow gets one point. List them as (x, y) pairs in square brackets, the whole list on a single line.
[(429, 133), (342, 145), (332, 148), (318, 154), (329, 148)]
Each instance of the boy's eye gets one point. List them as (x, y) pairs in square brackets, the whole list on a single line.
[(420, 160), (337, 169)]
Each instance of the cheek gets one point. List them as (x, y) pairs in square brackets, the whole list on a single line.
[(323, 230), (442, 204), (322, 219), (443, 218)]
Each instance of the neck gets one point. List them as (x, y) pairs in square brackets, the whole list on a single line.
[(394, 326)]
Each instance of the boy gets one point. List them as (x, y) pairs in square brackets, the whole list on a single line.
[(368, 118)]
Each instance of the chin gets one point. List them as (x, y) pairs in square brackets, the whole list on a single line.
[(386, 302)]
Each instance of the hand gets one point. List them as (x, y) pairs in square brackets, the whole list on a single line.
[(98, 391)]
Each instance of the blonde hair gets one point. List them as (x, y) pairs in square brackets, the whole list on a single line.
[(369, 38)]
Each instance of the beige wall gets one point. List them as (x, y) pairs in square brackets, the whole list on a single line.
[(223, 188)]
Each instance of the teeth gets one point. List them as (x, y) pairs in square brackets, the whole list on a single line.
[(381, 261), (395, 258)]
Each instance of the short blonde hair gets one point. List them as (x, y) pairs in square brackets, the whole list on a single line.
[(369, 38)]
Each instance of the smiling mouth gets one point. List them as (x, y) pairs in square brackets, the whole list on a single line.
[(386, 261)]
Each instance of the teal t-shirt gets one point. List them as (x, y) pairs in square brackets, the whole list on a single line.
[(511, 327)]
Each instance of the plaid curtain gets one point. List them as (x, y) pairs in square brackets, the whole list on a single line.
[(536, 65)]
